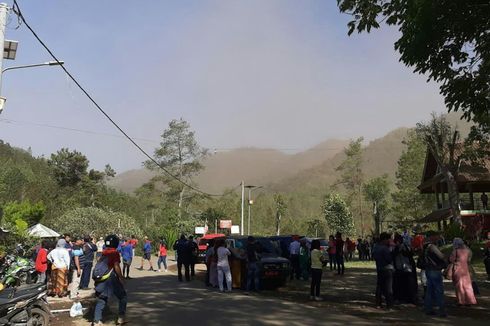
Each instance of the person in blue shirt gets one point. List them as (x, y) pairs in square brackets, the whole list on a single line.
[(126, 250), (146, 254)]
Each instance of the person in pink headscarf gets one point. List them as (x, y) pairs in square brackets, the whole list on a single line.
[(461, 257)]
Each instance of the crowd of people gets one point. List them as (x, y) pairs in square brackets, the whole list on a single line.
[(397, 272), (68, 265)]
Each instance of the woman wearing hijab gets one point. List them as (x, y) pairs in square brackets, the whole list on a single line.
[(460, 258), (60, 260)]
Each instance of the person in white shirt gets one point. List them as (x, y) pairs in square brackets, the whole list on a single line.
[(223, 266), (60, 259), (100, 247), (294, 257)]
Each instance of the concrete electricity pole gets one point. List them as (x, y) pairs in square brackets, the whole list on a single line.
[(3, 22), (243, 207)]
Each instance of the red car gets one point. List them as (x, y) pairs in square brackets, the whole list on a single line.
[(203, 245)]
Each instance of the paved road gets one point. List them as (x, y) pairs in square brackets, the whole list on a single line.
[(158, 299)]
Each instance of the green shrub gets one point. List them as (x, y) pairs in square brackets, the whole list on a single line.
[(452, 231)]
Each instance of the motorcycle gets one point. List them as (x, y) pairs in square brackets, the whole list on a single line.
[(24, 306), (16, 271)]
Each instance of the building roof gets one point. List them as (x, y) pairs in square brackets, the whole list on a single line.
[(474, 177)]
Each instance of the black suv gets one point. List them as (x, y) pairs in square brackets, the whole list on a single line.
[(274, 270)]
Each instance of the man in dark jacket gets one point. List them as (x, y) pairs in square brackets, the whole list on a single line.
[(184, 257), (434, 262), (89, 250), (384, 267), (194, 252)]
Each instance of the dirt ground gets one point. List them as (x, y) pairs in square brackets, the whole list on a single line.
[(157, 298)]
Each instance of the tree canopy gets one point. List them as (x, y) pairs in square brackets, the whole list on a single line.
[(447, 40)]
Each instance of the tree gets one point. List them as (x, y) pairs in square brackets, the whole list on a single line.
[(443, 141), (377, 190), (94, 222), (281, 207), (338, 215), (180, 154), (69, 167), (22, 214), (447, 40), (408, 203), (352, 176)]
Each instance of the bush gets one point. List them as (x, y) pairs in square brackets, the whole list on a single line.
[(95, 222), (452, 231)]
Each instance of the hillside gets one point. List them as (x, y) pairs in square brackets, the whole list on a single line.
[(379, 156), (256, 166), (313, 169)]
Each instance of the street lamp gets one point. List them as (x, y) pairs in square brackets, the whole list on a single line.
[(48, 63), (250, 203)]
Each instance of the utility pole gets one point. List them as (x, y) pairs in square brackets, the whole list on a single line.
[(249, 208), (243, 207), (3, 21)]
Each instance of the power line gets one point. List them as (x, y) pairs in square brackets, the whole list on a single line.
[(91, 132), (18, 12)]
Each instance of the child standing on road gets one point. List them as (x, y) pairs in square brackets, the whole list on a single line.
[(162, 258)]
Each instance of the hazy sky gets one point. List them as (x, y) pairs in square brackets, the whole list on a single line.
[(263, 73)]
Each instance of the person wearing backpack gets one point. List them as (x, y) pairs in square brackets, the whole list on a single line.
[(433, 262), (108, 280)]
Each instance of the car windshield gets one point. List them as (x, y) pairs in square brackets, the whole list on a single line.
[(265, 245), (324, 243)]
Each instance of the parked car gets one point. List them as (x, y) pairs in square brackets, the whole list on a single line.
[(273, 269), (281, 243), (203, 243)]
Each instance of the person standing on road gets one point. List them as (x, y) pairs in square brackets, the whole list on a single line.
[(294, 257), (113, 285), (134, 243), (304, 260), (42, 262), (209, 260), (405, 287), (60, 265), (461, 257), (384, 268), (78, 262), (252, 270), (339, 253), (317, 261), (100, 247), (184, 254), (146, 254), (433, 262), (332, 252), (194, 253), (89, 248), (162, 256), (223, 266), (126, 251)]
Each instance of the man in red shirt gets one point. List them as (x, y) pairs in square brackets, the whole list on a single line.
[(113, 285), (42, 262)]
